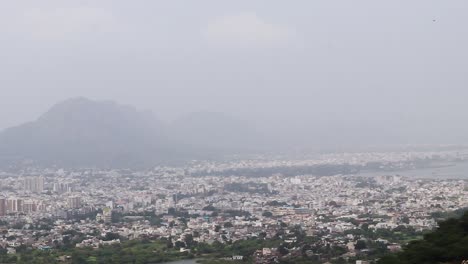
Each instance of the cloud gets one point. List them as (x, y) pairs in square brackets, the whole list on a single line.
[(246, 29)]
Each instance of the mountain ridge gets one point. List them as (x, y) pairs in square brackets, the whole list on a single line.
[(81, 132)]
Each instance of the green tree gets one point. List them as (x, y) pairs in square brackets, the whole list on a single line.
[(360, 245)]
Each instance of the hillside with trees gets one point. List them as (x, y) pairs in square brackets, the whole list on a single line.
[(447, 244)]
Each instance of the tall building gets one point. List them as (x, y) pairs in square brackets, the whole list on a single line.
[(34, 184), (14, 205), (62, 187), (74, 202), (29, 206), (3, 206), (107, 215)]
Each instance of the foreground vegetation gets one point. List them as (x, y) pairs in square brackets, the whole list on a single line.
[(137, 252), (128, 252), (447, 244)]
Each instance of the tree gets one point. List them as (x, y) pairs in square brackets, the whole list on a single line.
[(360, 245), (390, 259), (405, 220), (180, 244), (171, 224), (283, 250), (171, 211), (111, 236), (169, 243), (267, 214), (183, 220), (209, 208), (365, 226), (189, 240), (447, 244)]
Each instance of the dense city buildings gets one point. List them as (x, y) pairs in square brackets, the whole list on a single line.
[(354, 203)]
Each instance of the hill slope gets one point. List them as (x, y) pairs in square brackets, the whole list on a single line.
[(81, 132), (84, 133), (448, 244)]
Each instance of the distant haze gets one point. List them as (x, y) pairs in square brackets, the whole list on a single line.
[(326, 73)]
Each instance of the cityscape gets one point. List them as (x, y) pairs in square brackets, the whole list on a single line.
[(233, 132), (322, 216)]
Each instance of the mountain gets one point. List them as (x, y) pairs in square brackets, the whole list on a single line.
[(82, 132)]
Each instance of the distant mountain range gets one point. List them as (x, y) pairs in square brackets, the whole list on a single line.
[(84, 133)]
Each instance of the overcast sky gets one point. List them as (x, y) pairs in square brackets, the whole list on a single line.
[(298, 62)]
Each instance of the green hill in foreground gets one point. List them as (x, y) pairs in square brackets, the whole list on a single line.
[(447, 244)]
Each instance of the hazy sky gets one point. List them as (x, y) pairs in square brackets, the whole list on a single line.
[(299, 62)]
